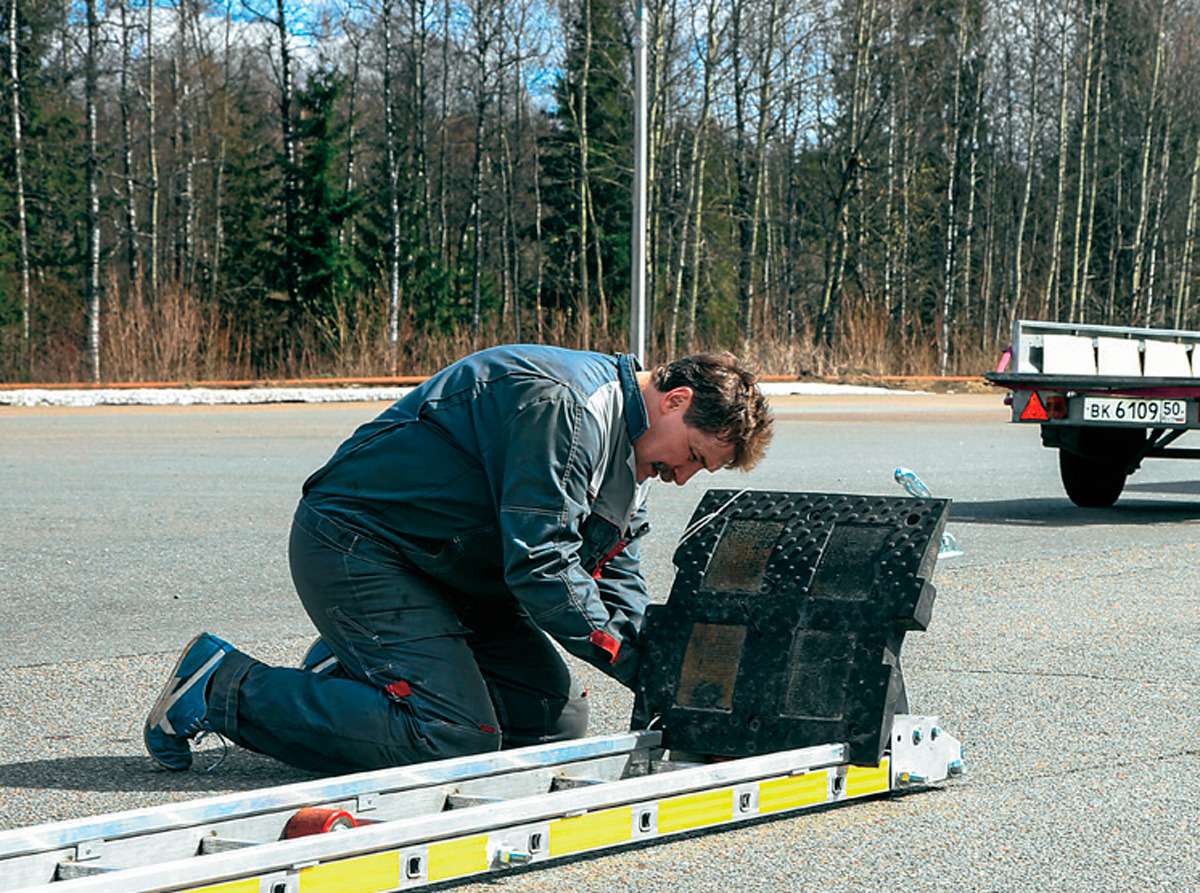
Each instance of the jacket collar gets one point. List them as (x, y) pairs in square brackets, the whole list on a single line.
[(636, 419)]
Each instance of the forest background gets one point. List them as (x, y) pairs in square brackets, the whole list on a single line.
[(191, 190)]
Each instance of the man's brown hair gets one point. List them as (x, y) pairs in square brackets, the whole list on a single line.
[(726, 403)]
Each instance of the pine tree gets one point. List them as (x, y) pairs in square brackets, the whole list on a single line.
[(325, 264), (254, 283)]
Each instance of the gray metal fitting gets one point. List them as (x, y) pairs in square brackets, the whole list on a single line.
[(514, 857)]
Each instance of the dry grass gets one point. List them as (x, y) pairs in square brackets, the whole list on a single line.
[(178, 338), (865, 343), (181, 337)]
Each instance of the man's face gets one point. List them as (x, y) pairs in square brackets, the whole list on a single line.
[(671, 450)]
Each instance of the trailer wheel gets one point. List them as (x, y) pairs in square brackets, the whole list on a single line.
[(1094, 461), (1091, 483)]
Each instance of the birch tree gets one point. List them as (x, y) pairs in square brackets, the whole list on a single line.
[(766, 76), (579, 111), (715, 30), (1186, 263), (130, 194), (1145, 175), (1050, 295), (392, 172), (218, 172), (486, 17), (184, 152), (444, 141), (92, 178), (1155, 246), (953, 138), (1086, 94), (418, 30), (973, 152), (152, 185), (1033, 41), (18, 145), (1084, 265)]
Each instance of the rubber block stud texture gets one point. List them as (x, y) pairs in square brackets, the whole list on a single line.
[(785, 622)]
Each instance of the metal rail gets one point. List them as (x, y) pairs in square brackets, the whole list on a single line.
[(455, 818), (34, 855)]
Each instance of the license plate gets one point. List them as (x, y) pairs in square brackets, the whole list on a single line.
[(1130, 411)]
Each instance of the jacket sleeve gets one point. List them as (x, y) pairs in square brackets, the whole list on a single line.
[(538, 467), (623, 589)]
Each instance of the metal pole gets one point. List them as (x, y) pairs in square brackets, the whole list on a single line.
[(637, 296)]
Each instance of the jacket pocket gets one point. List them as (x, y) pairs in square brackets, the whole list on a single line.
[(599, 539)]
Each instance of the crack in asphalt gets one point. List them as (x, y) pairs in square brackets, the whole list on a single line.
[(1060, 675), (283, 641), (1122, 764)]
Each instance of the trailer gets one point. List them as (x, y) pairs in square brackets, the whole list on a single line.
[(1106, 397)]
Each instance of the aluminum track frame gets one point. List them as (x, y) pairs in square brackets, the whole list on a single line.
[(456, 818)]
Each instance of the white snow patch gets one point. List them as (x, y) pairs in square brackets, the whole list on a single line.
[(238, 396), (821, 389), (194, 396)]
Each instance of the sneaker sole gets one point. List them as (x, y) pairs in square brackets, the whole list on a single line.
[(164, 702)]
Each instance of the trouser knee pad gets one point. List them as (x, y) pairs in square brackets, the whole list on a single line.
[(546, 719), (573, 720)]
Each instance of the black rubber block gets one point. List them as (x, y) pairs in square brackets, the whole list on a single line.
[(786, 619)]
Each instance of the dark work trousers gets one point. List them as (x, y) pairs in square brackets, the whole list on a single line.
[(424, 673)]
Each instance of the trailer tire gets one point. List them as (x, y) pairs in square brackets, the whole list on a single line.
[(1093, 461), (1090, 483)]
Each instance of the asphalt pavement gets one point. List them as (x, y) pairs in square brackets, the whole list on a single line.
[(1064, 649)]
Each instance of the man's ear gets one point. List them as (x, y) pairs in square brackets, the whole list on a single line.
[(678, 399)]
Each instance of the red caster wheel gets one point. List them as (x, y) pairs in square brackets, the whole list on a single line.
[(317, 820)]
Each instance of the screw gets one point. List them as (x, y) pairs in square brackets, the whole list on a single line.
[(933, 733), (916, 736)]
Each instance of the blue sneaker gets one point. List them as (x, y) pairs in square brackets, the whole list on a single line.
[(179, 713), (319, 658)]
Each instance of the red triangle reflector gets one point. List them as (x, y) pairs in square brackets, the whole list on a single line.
[(1034, 411)]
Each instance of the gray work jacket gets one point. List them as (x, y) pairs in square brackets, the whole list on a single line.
[(512, 471)]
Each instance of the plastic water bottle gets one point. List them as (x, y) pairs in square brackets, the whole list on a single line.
[(916, 488), (911, 482)]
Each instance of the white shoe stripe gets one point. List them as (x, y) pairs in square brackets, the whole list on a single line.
[(170, 702), (327, 662)]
